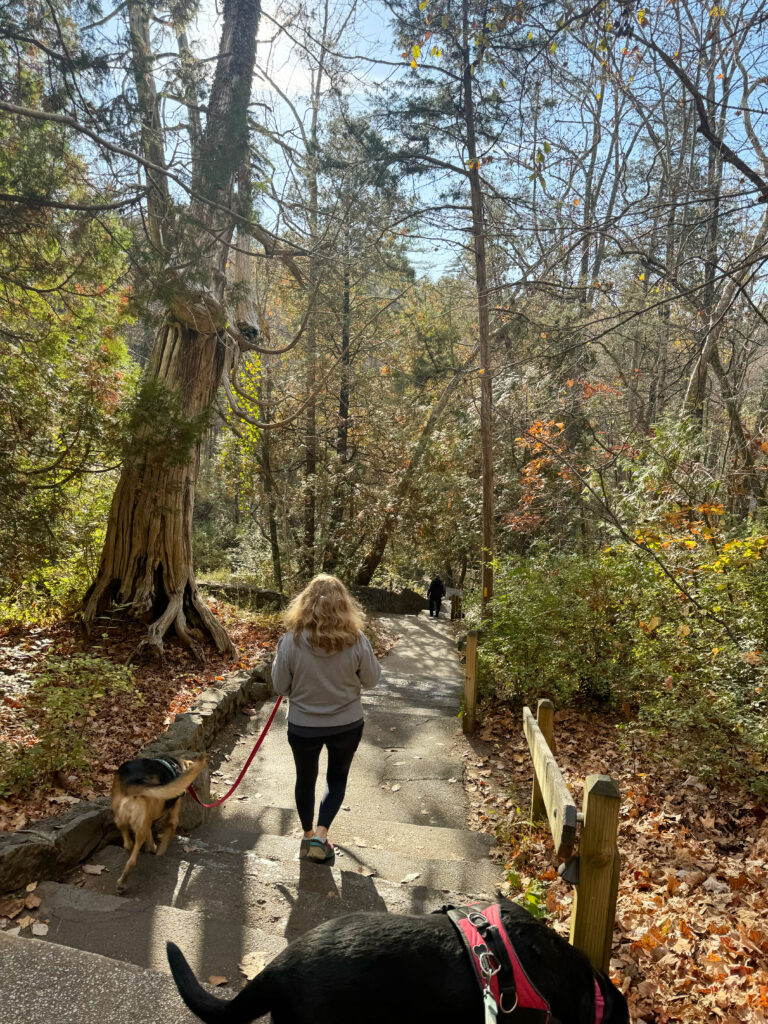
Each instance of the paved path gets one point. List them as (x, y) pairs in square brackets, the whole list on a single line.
[(236, 885)]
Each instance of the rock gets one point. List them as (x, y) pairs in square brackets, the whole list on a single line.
[(246, 596), (51, 847), (402, 602)]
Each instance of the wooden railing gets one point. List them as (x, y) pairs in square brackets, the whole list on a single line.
[(595, 869), (468, 720)]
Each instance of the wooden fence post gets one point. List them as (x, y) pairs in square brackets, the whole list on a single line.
[(470, 683), (594, 901), (545, 716)]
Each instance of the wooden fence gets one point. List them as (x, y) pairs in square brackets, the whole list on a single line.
[(595, 871), (468, 720)]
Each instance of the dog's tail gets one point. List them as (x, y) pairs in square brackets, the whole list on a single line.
[(170, 789), (240, 1010)]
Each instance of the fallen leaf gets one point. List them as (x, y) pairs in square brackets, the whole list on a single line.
[(411, 877), (93, 869), (11, 908), (253, 964), (31, 887), (217, 979), (25, 922), (38, 928), (32, 902), (396, 787)]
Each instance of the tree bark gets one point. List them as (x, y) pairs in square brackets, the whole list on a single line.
[(146, 566), (336, 519), (146, 563), (486, 384)]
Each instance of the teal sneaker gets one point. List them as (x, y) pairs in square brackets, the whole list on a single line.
[(321, 851)]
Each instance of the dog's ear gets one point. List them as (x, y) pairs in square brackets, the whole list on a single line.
[(193, 762), (188, 758)]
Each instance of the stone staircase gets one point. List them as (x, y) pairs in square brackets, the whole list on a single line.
[(235, 886)]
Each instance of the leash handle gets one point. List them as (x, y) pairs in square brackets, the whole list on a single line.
[(247, 764)]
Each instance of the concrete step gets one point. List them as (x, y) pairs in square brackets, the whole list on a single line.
[(409, 803), (240, 818), (425, 648), (211, 872), (390, 735), (135, 931), (218, 904), (417, 692), (407, 769), (44, 983)]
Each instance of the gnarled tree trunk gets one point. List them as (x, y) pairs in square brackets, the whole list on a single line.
[(146, 566), (147, 563)]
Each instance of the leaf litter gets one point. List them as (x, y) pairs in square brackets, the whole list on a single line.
[(119, 729), (690, 943)]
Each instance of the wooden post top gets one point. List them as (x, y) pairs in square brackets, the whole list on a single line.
[(602, 785)]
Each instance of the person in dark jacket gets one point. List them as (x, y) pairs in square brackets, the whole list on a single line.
[(435, 595)]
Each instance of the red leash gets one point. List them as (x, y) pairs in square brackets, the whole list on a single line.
[(246, 766)]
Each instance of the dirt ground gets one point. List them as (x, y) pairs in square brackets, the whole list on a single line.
[(691, 938)]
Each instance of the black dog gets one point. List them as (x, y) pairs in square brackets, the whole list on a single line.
[(389, 969)]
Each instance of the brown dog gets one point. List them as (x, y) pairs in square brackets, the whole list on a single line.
[(145, 790)]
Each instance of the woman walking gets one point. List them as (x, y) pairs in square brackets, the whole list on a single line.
[(323, 662)]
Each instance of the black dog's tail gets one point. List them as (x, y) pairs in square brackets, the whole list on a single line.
[(208, 1008)]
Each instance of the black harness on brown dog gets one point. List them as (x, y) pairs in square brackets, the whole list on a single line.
[(504, 983)]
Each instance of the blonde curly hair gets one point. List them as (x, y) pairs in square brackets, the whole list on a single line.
[(327, 612)]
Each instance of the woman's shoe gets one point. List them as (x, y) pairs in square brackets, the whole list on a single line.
[(321, 851)]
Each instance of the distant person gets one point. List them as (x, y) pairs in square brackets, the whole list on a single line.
[(323, 662), (435, 595)]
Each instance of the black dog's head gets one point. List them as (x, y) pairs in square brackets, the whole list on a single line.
[(149, 771)]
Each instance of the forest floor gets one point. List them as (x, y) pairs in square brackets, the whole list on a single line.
[(117, 731), (692, 928)]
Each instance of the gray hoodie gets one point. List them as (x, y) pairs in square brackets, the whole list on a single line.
[(324, 686)]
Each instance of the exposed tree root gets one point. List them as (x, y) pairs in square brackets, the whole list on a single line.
[(174, 616)]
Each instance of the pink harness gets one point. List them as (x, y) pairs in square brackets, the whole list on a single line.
[(503, 980)]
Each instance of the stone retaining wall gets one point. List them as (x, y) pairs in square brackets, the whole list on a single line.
[(373, 599), (390, 602), (53, 846), (245, 596)]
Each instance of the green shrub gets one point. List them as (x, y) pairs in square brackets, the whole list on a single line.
[(65, 695), (687, 665)]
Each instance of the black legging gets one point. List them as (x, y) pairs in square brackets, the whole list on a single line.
[(306, 755)]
